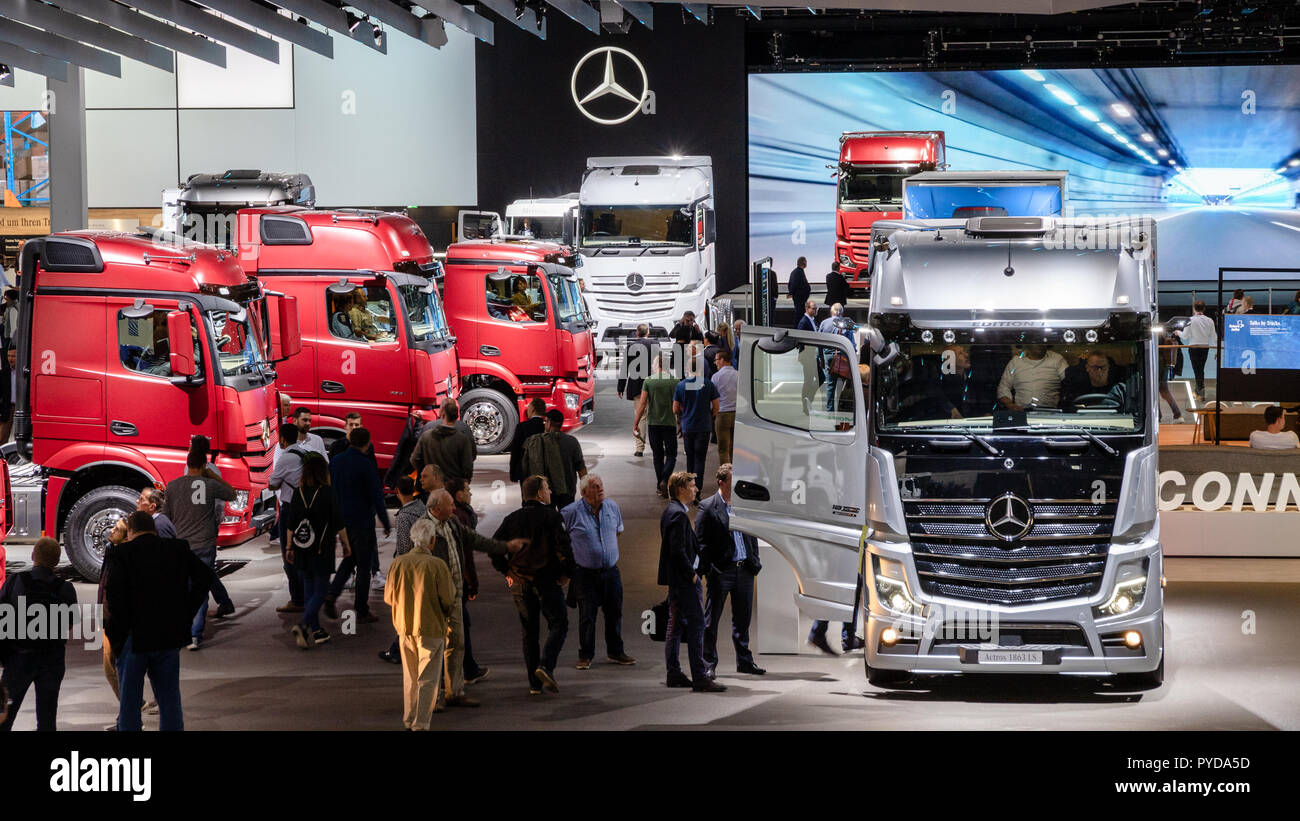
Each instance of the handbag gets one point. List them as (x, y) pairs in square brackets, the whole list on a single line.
[(840, 366)]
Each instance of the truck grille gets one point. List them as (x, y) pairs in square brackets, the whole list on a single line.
[(1062, 556), (860, 243), (612, 297)]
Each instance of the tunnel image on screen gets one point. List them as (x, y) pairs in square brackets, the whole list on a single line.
[(1212, 153)]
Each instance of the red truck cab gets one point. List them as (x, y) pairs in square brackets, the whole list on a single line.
[(522, 331), (872, 167), (129, 346), (375, 338)]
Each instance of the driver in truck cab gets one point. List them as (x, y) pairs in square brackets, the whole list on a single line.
[(363, 324), (1096, 373)]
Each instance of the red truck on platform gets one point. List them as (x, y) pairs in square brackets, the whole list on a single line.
[(522, 332), (872, 167), (374, 335), (128, 347)]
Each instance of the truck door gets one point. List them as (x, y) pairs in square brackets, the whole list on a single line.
[(362, 360), (800, 461), (296, 375), (519, 334), (148, 407)]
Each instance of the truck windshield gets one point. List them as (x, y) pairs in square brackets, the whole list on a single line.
[(637, 225), (240, 347), (424, 313), (927, 387), (873, 189), (568, 300), (549, 228)]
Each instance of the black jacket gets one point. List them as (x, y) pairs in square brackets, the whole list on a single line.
[(550, 553), (799, 288), (679, 548), (718, 548), (837, 288), (152, 589), (525, 429), (683, 334), (638, 363)]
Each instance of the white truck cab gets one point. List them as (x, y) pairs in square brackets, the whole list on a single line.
[(646, 233), (975, 469), (548, 219)]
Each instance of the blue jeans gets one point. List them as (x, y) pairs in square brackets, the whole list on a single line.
[(599, 590), (697, 451), (297, 595), (315, 587), (218, 591), (685, 606), (164, 670)]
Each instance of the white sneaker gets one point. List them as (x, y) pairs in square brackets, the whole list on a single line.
[(377, 582)]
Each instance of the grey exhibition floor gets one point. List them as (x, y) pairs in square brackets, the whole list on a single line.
[(251, 676)]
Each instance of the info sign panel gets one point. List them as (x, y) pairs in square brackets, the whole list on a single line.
[(1261, 358)]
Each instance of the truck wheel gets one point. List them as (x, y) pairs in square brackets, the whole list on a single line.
[(878, 677), (85, 531), (491, 417)]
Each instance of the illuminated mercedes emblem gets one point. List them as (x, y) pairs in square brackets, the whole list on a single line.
[(609, 85), (635, 281), (1008, 517)]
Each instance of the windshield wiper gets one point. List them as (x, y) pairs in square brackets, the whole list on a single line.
[(979, 440), (1077, 431)]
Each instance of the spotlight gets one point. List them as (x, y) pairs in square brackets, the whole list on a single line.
[(353, 22), (5, 72), (521, 6)]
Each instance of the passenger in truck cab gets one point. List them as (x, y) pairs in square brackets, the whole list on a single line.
[(363, 324), (1032, 379)]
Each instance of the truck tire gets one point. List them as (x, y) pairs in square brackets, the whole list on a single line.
[(491, 416), (879, 677), (85, 531)]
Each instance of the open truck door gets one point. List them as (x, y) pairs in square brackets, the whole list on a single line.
[(800, 462), (474, 225)]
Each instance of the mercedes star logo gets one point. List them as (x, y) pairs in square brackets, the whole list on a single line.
[(1008, 517), (635, 281), (610, 86)]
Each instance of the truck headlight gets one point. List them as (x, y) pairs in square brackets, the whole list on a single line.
[(241, 501), (1129, 592), (845, 259), (572, 401), (891, 587)]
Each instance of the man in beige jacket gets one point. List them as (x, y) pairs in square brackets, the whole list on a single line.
[(420, 592)]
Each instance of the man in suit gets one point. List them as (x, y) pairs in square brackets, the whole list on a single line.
[(837, 287), (361, 498), (633, 374), (731, 559), (808, 322), (152, 587), (680, 566), (798, 286)]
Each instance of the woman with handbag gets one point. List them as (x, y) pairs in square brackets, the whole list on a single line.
[(315, 520)]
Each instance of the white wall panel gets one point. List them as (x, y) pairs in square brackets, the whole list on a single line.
[(247, 81), (27, 93), (130, 157), (140, 86), (218, 140), (411, 140)]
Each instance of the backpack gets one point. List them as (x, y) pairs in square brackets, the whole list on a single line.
[(304, 536), (44, 597)]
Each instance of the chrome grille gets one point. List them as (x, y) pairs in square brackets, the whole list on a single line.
[(1063, 556), (612, 297), (860, 242)]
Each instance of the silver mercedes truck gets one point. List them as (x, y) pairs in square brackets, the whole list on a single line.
[(975, 467)]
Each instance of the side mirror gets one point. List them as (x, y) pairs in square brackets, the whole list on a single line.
[(286, 339), (180, 343), (876, 339), (710, 226), (890, 354)]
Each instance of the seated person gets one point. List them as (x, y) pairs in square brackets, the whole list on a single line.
[(522, 299), (363, 324), (1032, 379), (1097, 373), (1273, 437)]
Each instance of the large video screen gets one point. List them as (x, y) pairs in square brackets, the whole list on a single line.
[(1211, 153), (1261, 357)]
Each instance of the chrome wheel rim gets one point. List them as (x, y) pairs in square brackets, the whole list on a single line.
[(485, 421)]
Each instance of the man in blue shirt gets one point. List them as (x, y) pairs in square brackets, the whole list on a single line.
[(594, 523), (695, 402), (732, 561), (361, 498), (834, 324)]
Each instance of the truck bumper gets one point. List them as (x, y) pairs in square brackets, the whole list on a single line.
[(1078, 642)]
